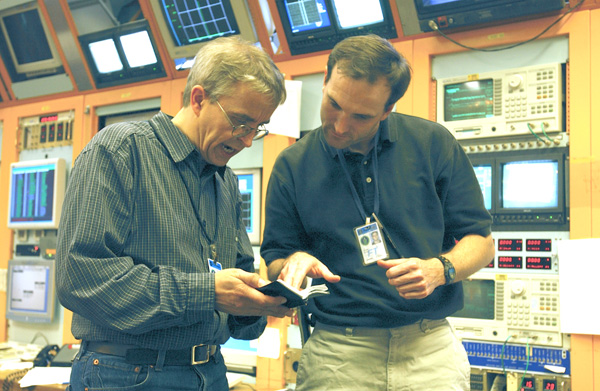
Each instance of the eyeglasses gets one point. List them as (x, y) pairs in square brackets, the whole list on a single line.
[(240, 131)]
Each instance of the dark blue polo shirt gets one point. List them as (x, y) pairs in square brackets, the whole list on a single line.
[(429, 197)]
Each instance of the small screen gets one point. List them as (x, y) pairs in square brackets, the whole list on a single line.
[(484, 177), (510, 262), (30, 293), (538, 245), (192, 22), (247, 190), (357, 13), (469, 100), (510, 244), (32, 194), (306, 15), (538, 263), (106, 57), (479, 299), (27, 36), (529, 184), (138, 49)]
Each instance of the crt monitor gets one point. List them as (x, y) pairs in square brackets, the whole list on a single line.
[(249, 181), (27, 43), (124, 54), (530, 184), (186, 25), (315, 25), (36, 193), (460, 13), (483, 172), (30, 291)]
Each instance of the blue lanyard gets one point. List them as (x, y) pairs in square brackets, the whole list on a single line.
[(359, 205)]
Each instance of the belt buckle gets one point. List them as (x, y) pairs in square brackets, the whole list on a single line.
[(194, 362)]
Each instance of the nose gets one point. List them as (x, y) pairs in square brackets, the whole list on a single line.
[(247, 140), (342, 124)]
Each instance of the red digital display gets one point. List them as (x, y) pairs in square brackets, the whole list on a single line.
[(549, 385), (490, 265), (539, 263), (510, 244), (528, 385), (538, 245), (49, 118), (510, 262)]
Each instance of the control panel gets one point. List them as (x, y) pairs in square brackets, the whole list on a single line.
[(46, 131)]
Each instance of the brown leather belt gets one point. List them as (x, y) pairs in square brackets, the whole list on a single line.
[(199, 354)]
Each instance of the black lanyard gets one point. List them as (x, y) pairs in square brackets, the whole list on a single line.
[(211, 241), (359, 205)]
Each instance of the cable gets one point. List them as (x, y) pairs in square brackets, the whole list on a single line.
[(435, 27), (532, 132), (502, 353), (545, 134), (40, 334), (526, 365)]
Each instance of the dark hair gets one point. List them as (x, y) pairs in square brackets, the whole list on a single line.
[(370, 57)]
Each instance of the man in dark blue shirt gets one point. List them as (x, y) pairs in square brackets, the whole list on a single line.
[(368, 170)]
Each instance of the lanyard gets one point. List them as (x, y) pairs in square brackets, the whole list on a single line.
[(211, 241), (359, 205)]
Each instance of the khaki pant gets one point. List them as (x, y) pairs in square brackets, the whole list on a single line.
[(423, 356)]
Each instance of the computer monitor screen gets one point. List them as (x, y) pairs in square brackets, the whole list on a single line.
[(36, 193), (357, 13), (28, 41), (483, 172), (249, 181), (307, 15), (30, 290), (469, 100), (187, 25), (479, 297), (106, 57), (138, 49), (529, 184)]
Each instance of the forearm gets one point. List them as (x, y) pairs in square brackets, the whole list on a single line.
[(470, 254)]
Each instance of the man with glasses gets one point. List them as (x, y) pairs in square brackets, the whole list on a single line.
[(153, 257)]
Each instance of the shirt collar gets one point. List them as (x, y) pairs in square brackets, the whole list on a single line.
[(177, 144)]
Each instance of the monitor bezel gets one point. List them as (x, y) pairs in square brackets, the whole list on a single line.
[(128, 74), (42, 67), (243, 19), (60, 183), (29, 316)]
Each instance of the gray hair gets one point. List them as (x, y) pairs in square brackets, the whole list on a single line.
[(224, 62), (370, 57)]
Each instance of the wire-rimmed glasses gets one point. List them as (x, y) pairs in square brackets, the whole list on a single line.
[(240, 131)]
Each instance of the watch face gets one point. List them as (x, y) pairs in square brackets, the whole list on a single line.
[(451, 273)]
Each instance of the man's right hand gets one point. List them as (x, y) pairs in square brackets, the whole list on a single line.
[(236, 294), (295, 268)]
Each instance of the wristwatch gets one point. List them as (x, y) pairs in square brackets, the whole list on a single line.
[(449, 271)]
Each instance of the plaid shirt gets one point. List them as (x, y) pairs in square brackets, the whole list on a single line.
[(132, 254)]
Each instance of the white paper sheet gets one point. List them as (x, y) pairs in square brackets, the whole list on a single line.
[(579, 262), (38, 376)]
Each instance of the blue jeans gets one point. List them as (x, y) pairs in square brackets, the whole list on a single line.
[(97, 371)]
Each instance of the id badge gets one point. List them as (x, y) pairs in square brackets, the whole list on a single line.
[(371, 243)]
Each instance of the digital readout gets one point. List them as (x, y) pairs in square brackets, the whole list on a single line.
[(538, 245), (510, 262), (544, 263), (510, 244), (549, 385), (490, 265)]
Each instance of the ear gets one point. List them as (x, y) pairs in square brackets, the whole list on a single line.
[(197, 96), (387, 112)]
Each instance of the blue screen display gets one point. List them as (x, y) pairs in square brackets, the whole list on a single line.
[(307, 15)]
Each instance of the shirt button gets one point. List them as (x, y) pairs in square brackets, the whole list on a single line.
[(368, 179), (366, 162)]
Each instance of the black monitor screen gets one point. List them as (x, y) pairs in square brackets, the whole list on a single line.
[(529, 184), (483, 173), (469, 100), (479, 299), (27, 37), (191, 22), (307, 15)]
